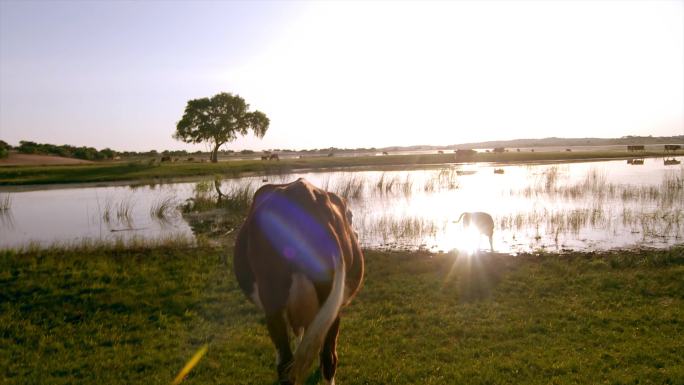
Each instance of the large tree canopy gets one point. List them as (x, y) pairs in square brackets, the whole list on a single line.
[(219, 120)]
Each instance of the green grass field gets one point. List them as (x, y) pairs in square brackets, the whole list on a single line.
[(144, 171), (121, 316)]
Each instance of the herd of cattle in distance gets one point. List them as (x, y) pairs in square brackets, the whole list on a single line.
[(667, 147)]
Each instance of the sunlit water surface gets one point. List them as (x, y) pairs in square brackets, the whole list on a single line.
[(555, 207)]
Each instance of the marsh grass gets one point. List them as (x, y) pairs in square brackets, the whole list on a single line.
[(407, 186), (556, 221), (107, 211), (164, 209), (396, 184), (5, 202), (385, 185), (594, 186), (124, 211), (393, 230), (349, 185), (137, 315), (237, 197)]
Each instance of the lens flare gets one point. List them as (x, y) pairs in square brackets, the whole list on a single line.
[(190, 364), (297, 235)]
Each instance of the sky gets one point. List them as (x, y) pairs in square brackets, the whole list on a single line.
[(340, 74)]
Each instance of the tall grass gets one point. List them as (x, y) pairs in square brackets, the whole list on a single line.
[(350, 185), (107, 211), (594, 187), (237, 197), (164, 209), (5, 202), (123, 210), (394, 230)]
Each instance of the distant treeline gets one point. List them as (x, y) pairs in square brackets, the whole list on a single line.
[(91, 153), (87, 153)]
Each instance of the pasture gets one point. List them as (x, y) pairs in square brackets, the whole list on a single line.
[(94, 314)]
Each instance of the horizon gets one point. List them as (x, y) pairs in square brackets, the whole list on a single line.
[(117, 75), (401, 148)]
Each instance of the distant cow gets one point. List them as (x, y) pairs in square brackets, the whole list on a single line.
[(274, 157), (483, 222), (298, 259), (673, 147), (385, 153), (499, 149), (165, 158), (264, 157), (635, 148)]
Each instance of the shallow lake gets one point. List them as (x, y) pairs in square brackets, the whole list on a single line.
[(579, 206)]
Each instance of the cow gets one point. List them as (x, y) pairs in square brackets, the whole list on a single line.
[(264, 157), (672, 147), (483, 222), (298, 259), (635, 148), (274, 157)]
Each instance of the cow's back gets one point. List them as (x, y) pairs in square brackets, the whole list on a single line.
[(291, 229)]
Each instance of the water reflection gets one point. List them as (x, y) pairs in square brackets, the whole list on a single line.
[(590, 205)]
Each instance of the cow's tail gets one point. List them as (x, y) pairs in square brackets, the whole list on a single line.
[(315, 334), (459, 218)]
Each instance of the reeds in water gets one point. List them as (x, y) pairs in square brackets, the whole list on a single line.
[(164, 209), (5, 202), (124, 209), (350, 186), (396, 230), (237, 197)]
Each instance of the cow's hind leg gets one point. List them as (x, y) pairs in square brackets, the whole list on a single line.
[(277, 329), (329, 353)]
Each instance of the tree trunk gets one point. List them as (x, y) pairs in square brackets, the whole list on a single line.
[(214, 153), (217, 186)]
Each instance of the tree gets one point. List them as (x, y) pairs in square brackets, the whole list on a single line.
[(4, 149), (219, 120)]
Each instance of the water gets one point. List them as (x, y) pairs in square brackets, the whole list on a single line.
[(578, 206)]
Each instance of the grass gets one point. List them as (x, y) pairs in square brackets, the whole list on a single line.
[(164, 209), (398, 231), (131, 171), (5, 202), (112, 315), (124, 209)]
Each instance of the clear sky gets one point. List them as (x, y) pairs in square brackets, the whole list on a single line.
[(345, 74)]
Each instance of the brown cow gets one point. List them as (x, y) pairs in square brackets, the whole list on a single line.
[(298, 259)]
